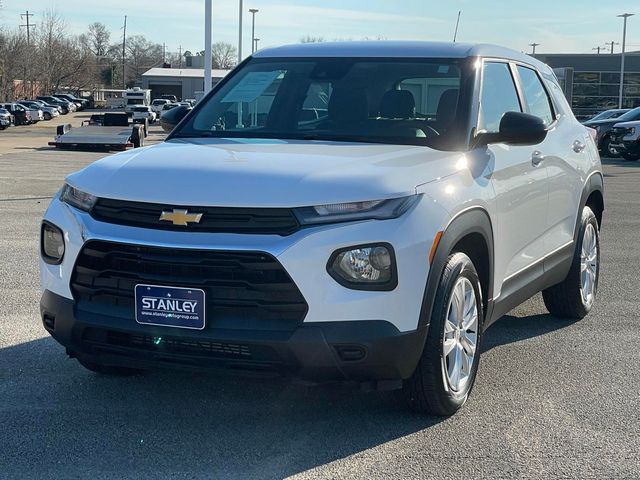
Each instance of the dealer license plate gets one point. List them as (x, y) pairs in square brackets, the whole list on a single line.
[(170, 306)]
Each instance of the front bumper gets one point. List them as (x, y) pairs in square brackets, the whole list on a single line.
[(361, 351)]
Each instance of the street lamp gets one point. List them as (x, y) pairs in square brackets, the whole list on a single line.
[(253, 28), (207, 46), (533, 47), (624, 39)]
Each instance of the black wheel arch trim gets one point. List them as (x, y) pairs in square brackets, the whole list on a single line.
[(594, 183), (474, 220)]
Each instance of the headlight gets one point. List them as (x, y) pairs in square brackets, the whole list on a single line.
[(632, 131), (77, 198), (364, 267), (51, 243), (345, 212)]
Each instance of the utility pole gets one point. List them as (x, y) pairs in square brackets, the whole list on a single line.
[(455, 33), (533, 46), (26, 16), (164, 54), (253, 28), (612, 44), (124, 44), (625, 16), (28, 26), (180, 56), (597, 48)]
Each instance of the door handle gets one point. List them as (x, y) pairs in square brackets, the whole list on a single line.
[(578, 146), (537, 158)]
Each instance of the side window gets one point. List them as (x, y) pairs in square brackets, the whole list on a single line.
[(498, 96), (535, 95)]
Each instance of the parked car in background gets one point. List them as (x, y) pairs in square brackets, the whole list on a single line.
[(192, 101), (80, 102), (375, 243), (21, 114), (157, 104), (603, 129), (63, 104), (73, 107), (47, 112), (171, 98), (625, 139), (140, 113), (43, 104), (36, 112), (607, 114), (6, 119)]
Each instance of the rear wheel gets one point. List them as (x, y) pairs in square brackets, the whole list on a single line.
[(137, 136), (605, 148), (47, 116), (575, 295), (447, 369)]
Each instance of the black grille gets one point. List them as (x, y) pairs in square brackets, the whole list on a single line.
[(265, 221), (244, 290)]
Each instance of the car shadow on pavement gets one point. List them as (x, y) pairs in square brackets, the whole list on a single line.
[(67, 421), (511, 329)]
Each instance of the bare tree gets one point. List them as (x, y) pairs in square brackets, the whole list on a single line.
[(98, 37), (61, 59), (141, 56), (311, 39), (223, 55)]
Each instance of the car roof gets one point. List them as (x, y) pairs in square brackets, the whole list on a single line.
[(399, 49)]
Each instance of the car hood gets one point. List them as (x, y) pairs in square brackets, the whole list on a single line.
[(607, 122), (263, 173), (633, 123)]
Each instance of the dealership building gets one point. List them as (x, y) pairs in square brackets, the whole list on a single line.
[(591, 82), (182, 82)]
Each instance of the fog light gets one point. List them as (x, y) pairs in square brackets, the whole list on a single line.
[(366, 267), (51, 243)]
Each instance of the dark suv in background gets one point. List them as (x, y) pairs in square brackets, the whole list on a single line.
[(63, 104), (603, 129)]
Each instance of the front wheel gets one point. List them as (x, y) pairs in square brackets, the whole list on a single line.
[(447, 369), (632, 157), (574, 296)]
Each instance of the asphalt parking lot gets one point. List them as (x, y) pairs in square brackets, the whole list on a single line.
[(553, 399)]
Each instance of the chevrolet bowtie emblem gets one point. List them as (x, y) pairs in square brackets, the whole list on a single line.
[(180, 217)]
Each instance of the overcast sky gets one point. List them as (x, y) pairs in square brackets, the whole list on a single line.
[(558, 25)]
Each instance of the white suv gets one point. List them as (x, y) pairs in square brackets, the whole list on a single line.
[(352, 211)]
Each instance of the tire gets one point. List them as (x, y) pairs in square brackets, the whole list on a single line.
[(434, 387), (137, 136), (574, 297), (47, 116), (605, 148), (91, 364), (631, 157)]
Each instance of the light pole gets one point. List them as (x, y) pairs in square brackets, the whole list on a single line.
[(624, 39), (253, 28), (240, 33), (533, 47), (207, 46)]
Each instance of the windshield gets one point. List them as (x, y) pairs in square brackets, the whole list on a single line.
[(405, 101), (135, 101)]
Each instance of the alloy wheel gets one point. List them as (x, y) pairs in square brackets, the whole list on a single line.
[(589, 265), (459, 343)]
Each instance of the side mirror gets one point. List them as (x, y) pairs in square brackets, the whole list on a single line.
[(169, 120), (516, 128)]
